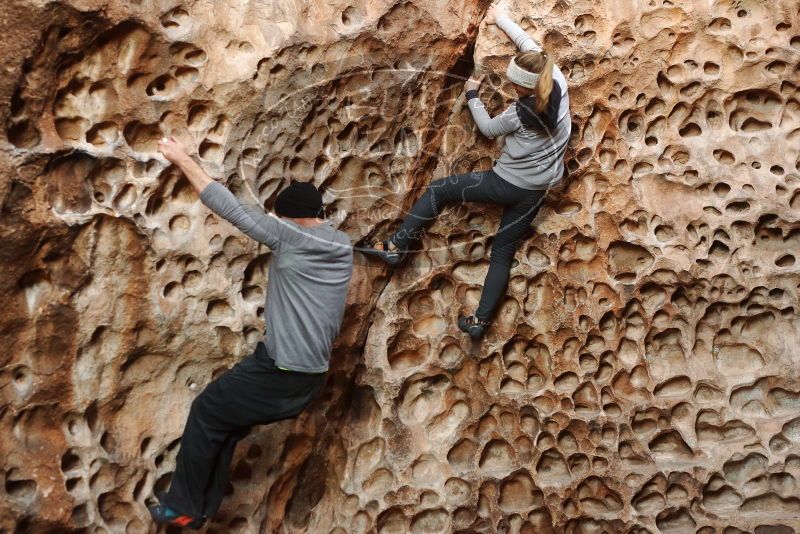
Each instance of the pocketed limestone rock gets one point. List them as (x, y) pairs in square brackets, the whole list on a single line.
[(640, 375)]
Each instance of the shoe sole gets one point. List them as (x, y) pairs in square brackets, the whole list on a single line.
[(476, 337), (469, 331), (390, 258), (194, 524)]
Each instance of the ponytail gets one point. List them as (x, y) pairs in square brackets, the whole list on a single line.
[(538, 62), (545, 85)]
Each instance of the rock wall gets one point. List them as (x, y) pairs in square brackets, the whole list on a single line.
[(641, 374)]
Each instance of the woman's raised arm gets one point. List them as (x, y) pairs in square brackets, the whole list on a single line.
[(497, 15)]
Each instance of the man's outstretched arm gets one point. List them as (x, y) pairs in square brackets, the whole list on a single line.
[(252, 222)]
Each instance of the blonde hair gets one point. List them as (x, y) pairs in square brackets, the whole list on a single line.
[(538, 62)]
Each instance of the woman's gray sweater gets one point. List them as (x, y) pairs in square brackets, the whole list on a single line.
[(532, 158)]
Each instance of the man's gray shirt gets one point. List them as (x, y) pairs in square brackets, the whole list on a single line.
[(309, 274)]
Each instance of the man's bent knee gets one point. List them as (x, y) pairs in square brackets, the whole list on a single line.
[(200, 406)]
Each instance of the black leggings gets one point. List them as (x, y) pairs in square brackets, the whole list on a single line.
[(254, 392), (521, 206)]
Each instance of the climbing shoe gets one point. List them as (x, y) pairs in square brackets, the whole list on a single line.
[(472, 326), (161, 513), (390, 257)]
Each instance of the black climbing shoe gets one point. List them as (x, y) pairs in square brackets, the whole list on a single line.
[(163, 514), (472, 326), (390, 257)]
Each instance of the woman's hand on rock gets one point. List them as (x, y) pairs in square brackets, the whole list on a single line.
[(496, 10)]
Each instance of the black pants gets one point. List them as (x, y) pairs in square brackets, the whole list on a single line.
[(254, 392), (521, 206)]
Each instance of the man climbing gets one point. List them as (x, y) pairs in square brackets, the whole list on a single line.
[(309, 274)]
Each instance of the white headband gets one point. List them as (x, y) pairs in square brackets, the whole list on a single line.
[(520, 76)]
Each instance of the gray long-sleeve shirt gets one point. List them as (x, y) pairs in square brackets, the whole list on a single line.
[(531, 158), (309, 274)]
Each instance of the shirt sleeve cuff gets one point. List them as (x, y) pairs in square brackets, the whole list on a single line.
[(208, 192), (213, 196), (472, 93), (504, 22)]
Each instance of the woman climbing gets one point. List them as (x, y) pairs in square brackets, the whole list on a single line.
[(537, 128)]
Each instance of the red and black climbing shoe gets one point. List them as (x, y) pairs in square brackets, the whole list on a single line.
[(381, 250), (472, 326), (163, 514)]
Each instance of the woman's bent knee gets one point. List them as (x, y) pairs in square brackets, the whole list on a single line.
[(436, 186), (503, 254)]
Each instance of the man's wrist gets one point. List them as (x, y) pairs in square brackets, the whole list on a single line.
[(470, 94), (184, 160)]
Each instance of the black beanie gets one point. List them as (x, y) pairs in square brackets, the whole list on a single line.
[(299, 200)]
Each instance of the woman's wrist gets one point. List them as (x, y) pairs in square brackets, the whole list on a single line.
[(502, 16)]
